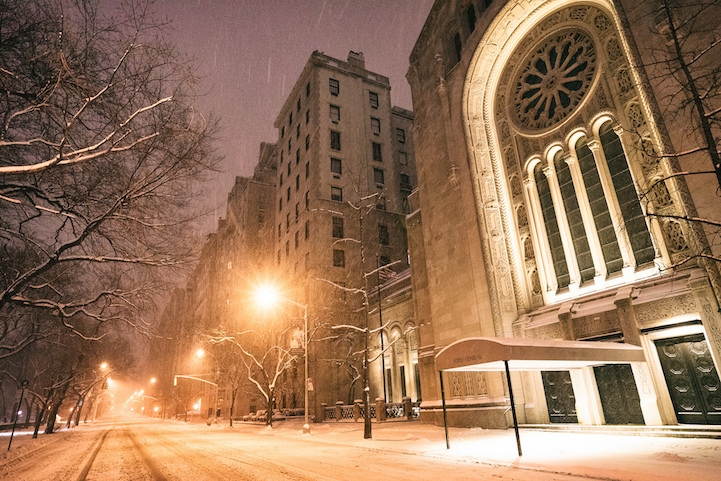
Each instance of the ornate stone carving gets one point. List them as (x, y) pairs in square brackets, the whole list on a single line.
[(674, 236), (596, 324), (649, 312), (635, 115)]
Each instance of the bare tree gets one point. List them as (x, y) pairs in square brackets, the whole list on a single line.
[(264, 359), (681, 67), (100, 152)]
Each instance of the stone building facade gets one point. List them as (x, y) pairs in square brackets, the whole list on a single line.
[(345, 170), (546, 211)]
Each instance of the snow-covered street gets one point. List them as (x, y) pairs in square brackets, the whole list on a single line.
[(138, 449)]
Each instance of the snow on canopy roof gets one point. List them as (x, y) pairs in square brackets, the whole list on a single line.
[(488, 354)]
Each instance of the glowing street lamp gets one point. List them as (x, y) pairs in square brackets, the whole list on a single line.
[(104, 365), (267, 296), (200, 353), (153, 380)]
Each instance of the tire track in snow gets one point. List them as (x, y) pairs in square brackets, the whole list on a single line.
[(152, 467), (94, 453)]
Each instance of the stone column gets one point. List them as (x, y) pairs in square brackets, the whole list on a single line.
[(588, 402), (627, 315), (380, 410)]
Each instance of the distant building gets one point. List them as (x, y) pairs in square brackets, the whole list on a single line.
[(537, 131), (345, 169), (214, 299)]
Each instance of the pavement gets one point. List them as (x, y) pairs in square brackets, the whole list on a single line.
[(605, 455)]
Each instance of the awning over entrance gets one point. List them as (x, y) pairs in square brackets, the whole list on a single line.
[(489, 354), (520, 354)]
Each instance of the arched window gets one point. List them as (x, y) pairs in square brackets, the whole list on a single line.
[(552, 231), (575, 219), (628, 202), (471, 17), (457, 46), (599, 207)]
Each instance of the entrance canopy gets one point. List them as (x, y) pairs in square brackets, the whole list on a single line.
[(489, 354), (520, 354)]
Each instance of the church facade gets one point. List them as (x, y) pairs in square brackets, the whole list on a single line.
[(548, 209)]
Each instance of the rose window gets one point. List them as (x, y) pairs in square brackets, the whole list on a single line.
[(554, 79)]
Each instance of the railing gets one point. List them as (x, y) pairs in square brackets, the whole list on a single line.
[(403, 411)]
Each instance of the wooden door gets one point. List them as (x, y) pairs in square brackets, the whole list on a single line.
[(619, 395), (692, 379), (560, 399)]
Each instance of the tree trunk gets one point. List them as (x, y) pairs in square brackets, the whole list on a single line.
[(50, 428), (41, 414), (269, 412), (232, 405)]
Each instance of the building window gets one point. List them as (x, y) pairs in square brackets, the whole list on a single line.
[(378, 176), (297, 131), (307, 117), (333, 86), (281, 180), (338, 258), (405, 182), (401, 136), (381, 202), (336, 166), (373, 98), (334, 140), (383, 237), (457, 46), (334, 114), (278, 256), (375, 126), (471, 17), (377, 154), (289, 146), (307, 265), (290, 119), (287, 248), (282, 132), (307, 89), (402, 158), (288, 169), (384, 261), (279, 230), (287, 194), (338, 227), (296, 239), (287, 222), (307, 142), (280, 204), (307, 230), (297, 156), (307, 197), (297, 106), (307, 169), (296, 212), (336, 193)]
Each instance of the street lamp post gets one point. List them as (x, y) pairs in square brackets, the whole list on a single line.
[(266, 295)]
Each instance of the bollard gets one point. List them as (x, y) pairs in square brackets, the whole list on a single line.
[(408, 408), (380, 410), (338, 410)]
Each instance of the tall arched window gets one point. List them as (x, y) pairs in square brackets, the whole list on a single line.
[(599, 207), (551, 224), (575, 219), (628, 202)]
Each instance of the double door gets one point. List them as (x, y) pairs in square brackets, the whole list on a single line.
[(692, 379)]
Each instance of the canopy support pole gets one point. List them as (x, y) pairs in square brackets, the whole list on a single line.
[(513, 407), (443, 401)]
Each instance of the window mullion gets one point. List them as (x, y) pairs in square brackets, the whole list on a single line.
[(558, 206), (587, 216), (544, 261), (624, 244)]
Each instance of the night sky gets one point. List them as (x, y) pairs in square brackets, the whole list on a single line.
[(251, 52)]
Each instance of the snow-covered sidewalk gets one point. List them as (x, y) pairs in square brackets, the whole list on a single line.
[(594, 455)]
